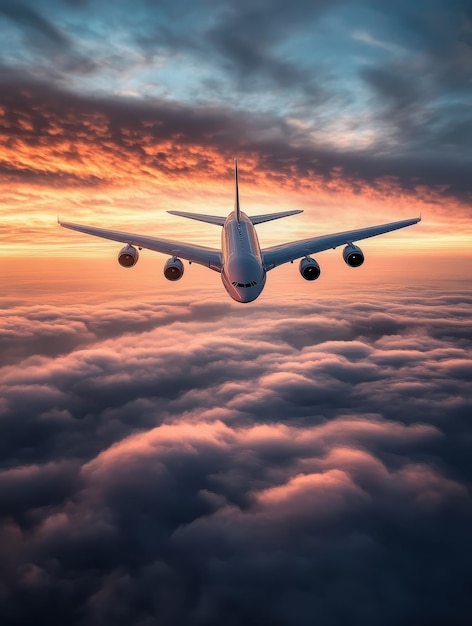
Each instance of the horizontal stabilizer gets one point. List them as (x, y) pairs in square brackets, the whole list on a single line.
[(210, 219), (259, 219)]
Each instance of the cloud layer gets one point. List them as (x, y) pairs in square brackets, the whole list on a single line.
[(192, 463)]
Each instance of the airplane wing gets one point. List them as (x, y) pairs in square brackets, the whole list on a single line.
[(209, 257), (277, 255)]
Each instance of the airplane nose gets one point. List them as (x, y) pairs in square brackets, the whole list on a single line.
[(248, 294), (244, 277)]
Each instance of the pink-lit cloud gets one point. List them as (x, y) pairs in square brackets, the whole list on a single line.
[(154, 445)]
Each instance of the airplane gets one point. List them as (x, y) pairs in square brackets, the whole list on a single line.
[(241, 262)]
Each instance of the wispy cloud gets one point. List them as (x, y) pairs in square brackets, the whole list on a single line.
[(367, 38)]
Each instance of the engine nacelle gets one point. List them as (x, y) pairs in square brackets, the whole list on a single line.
[(128, 256), (309, 268), (353, 256), (174, 269)]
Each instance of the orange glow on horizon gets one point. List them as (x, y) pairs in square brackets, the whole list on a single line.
[(80, 166)]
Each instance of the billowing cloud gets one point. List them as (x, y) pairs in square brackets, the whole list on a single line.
[(194, 463)]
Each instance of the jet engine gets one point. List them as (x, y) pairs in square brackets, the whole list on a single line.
[(353, 256), (128, 256), (309, 268), (174, 269)]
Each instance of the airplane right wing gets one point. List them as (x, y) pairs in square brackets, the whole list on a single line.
[(209, 257), (277, 255)]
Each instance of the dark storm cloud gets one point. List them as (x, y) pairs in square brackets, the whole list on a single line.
[(193, 464)]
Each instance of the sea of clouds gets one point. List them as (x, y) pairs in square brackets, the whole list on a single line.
[(199, 462)]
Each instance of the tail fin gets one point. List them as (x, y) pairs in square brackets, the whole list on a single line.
[(236, 199)]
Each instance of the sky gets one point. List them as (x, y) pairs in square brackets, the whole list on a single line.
[(113, 113), (168, 456)]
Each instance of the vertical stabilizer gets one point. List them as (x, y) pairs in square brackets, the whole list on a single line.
[(236, 198)]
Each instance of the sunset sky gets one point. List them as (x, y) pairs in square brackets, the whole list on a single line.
[(167, 456), (114, 112)]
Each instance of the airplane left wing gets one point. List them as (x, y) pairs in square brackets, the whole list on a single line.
[(277, 255), (209, 257)]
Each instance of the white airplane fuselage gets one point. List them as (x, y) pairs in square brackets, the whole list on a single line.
[(243, 274)]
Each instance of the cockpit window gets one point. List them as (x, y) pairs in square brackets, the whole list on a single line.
[(251, 284)]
